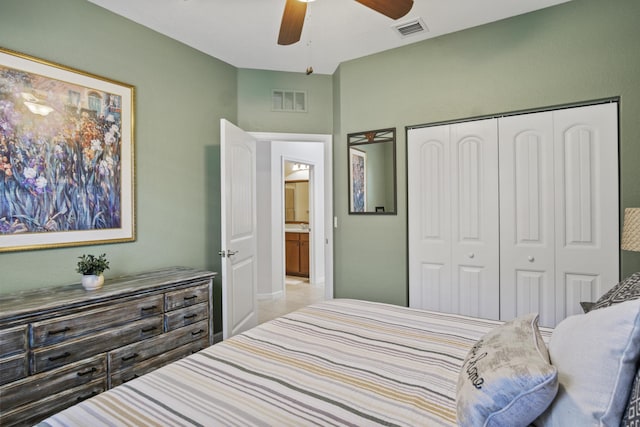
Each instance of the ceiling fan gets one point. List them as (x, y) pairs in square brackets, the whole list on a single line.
[(295, 11)]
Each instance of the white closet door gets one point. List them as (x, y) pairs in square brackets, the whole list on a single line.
[(551, 238), (475, 259), (527, 239), (429, 206), (587, 229), (453, 218)]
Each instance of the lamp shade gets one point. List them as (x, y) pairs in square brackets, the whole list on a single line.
[(631, 230)]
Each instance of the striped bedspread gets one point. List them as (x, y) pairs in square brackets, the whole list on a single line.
[(340, 362)]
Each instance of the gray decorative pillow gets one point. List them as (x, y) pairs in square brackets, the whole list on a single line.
[(506, 379), (626, 290), (632, 412), (596, 355), (587, 306)]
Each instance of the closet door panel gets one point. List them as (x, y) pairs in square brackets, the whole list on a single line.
[(527, 243), (587, 235), (579, 287), (474, 212), (474, 297), (428, 153), (530, 290)]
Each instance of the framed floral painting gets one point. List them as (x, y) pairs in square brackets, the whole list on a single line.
[(358, 180), (66, 156)]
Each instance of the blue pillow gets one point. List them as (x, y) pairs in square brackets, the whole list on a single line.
[(506, 378), (632, 412)]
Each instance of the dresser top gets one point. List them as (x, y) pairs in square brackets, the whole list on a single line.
[(23, 304)]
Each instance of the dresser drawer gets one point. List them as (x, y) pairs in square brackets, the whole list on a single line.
[(149, 365), (32, 413), (186, 297), (40, 386), (46, 358), (13, 341), (13, 368), (76, 325), (186, 316), (135, 353)]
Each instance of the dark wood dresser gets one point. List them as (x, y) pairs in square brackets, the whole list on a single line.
[(61, 345)]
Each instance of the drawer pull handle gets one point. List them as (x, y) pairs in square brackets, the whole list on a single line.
[(149, 329), (93, 393), (197, 332), (191, 316), (130, 378), (153, 307), (62, 356), (87, 372), (59, 331), (133, 356), (191, 297)]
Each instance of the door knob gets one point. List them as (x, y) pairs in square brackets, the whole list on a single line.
[(471, 254), (531, 258), (228, 253)]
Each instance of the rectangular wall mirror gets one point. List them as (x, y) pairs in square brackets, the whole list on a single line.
[(296, 193), (372, 172), (296, 196)]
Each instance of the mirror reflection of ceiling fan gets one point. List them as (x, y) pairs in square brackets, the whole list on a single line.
[(295, 11)]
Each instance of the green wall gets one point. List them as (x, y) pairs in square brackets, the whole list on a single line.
[(254, 102), (180, 95), (578, 51), (582, 50)]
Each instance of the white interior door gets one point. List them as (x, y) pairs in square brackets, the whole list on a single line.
[(527, 234), (239, 229), (475, 218), (453, 218), (557, 220), (429, 187), (587, 224)]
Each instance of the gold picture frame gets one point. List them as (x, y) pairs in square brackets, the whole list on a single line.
[(66, 156)]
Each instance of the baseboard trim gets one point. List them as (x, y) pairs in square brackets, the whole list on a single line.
[(272, 295), (217, 337)]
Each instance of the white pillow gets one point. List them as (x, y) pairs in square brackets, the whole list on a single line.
[(596, 355), (506, 378)]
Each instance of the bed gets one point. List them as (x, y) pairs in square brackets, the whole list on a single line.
[(340, 362)]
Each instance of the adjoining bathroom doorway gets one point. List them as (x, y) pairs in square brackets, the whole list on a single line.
[(273, 151), (297, 224)]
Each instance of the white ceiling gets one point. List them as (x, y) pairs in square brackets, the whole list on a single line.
[(244, 33)]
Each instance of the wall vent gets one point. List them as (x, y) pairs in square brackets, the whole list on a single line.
[(410, 28), (289, 100)]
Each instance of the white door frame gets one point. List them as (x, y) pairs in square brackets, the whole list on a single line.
[(277, 221)]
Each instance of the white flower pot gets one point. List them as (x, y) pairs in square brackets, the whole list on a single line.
[(92, 282)]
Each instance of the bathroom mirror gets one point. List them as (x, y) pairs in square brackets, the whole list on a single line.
[(296, 196), (372, 172)]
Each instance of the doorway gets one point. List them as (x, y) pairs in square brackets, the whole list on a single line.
[(297, 221), (273, 151)]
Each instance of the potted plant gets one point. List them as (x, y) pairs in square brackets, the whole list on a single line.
[(91, 268)]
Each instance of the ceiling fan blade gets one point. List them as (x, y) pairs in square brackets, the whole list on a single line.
[(292, 21), (394, 9)]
